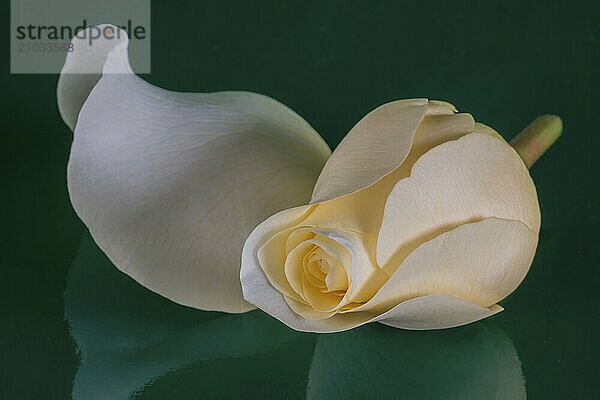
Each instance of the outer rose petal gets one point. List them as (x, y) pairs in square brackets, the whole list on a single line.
[(435, 312), (171, 184), (480, 262), (474, 177), (363, 210), (376, 146)]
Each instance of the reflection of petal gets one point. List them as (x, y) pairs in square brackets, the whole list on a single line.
[(171, 184), (474, 362), (127, 336)]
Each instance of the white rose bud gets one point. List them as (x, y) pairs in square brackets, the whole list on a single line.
[(421, 219)]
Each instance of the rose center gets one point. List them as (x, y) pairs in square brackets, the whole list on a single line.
[(316, 269), (325, 272)]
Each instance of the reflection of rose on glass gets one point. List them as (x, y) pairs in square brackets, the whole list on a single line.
[(478, 361), (421, 218), (133, 343)]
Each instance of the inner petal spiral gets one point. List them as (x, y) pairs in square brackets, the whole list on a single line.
[(317, 274), (325, 272)]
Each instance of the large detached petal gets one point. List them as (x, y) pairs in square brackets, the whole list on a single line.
[(465, 180), (171, 184), (376, 146)]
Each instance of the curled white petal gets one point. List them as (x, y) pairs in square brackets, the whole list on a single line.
[(436, 311), (466, 180), (481, 262), (363, 210), (376, 145), (171, 184)]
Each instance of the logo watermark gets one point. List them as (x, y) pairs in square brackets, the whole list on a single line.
[(41, 32)]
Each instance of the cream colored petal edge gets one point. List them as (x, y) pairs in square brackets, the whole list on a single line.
[(435, 312), (464, 180), (373, 148), (481, 262), (171, 184)]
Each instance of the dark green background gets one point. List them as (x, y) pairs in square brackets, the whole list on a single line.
[(504, 62)]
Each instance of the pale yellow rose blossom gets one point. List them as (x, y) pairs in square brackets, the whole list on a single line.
[(421, 218)]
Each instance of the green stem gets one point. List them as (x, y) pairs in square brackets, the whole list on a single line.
[(537, 137)]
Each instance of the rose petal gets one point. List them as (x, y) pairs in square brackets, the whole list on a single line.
[(266, 256), (365, 276), (466, 180), (480, 262), (363, 211), (482, 128), (337, 258), (171, 184), (376, 145), (435, 312), (435, 129)]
